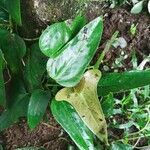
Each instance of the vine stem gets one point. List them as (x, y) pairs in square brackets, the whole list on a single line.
[(106, 49)]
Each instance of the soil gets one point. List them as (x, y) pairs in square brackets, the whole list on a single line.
[(52, 136), (121, 20), (46, 135)]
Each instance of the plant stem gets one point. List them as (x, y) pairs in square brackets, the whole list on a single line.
[(107, 47)]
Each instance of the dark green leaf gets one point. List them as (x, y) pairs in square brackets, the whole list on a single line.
[(3, 3), (13, 48), (18, 109), (16, 89), (35, 67), (37, 107), (57, 35), (108, 105), (121, 146), (13, 7), (67, 117), (116, 82), (4, 16), (2, 85), (68, 68)]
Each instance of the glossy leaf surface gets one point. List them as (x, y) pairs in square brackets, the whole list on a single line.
[(37, 107), (13, 48), (137, 8), (57, 35), (68, 68), (35, 67), (117, 82), (85, 100), (67, 117)]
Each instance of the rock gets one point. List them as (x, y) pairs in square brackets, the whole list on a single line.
[(37, 14)]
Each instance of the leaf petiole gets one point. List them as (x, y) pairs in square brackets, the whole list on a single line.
[(107, 47)]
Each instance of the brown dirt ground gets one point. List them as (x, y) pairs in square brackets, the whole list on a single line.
[(46, 135), (53, 137), (121, 20)]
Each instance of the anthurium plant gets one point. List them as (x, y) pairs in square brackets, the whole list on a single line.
[(61, 58)]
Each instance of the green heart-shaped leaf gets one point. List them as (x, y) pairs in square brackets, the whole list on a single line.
[(68, 68), (57, 35)]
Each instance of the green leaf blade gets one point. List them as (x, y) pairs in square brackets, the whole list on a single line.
[(37, 107), (14, 49), (57, 35), (18, 109), (68, 68), (14, 9), (137, 8), (34, 68), (67, 117), (117, 82)]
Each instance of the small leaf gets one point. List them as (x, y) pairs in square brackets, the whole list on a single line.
[(137, 8), (35, 67), (108, 105), (14, 49), (13, 7), (121, 146), (17, 110), (117, 82), (37, 107), (84, 99), (57, 35), (68, 68), (68, 118)]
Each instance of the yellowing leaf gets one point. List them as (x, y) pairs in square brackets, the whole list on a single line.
[(85, 100)]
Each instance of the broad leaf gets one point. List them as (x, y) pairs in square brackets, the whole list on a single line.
[(13, 48), (85, 100), (2, 85), (17, 110), (57, 35), (37, 107), (117, 82), (35, 67), (68, 68), (13, 7), (67, 117)]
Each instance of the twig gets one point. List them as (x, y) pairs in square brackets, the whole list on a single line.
[(50, 126)]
